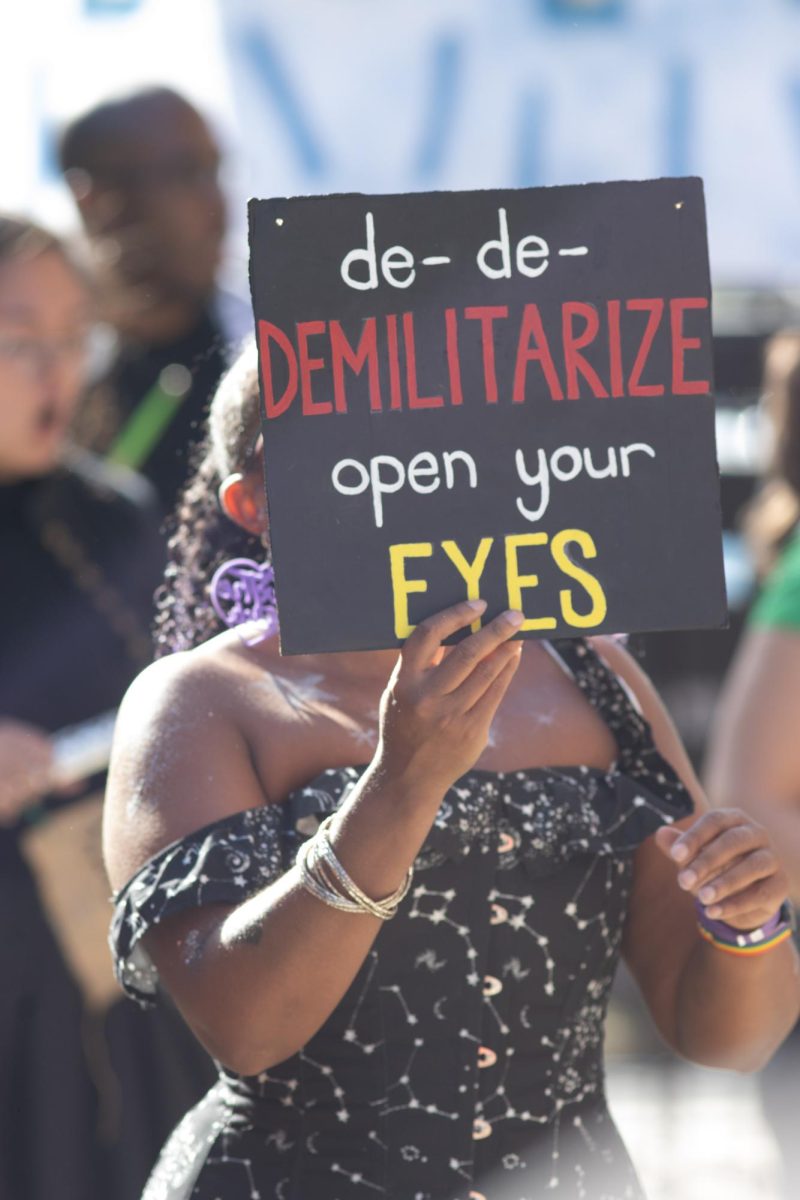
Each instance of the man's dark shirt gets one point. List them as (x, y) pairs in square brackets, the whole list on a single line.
[(203, 351)]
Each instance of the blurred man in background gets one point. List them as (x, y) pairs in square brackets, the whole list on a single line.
[(143, 171), (754, 755)]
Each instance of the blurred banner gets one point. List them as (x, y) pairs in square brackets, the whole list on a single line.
[(342, 95)]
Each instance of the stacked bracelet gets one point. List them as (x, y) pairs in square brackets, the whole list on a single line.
[(747, 942), (323, 875)]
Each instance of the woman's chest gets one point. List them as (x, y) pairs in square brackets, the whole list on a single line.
[(316, 722)]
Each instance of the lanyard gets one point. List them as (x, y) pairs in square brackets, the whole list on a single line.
[(151, 418)]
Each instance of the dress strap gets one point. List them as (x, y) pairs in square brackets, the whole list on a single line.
[(224, 862), (605, 691)]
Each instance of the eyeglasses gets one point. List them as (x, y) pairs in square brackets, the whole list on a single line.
[(33, 354)]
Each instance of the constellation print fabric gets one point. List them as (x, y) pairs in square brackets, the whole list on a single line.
[(465, 1060)]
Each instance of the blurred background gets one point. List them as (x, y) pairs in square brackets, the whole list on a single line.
[(318, 96), (347, 95)]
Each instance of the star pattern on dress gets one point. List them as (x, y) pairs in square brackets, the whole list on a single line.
[(468, 1048)]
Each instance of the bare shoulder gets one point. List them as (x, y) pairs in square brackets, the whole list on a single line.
[(180, 758)]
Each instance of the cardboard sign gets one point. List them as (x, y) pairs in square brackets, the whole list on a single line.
[(504, 394)]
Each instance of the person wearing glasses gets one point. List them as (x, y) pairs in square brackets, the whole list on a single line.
[(81, 553)]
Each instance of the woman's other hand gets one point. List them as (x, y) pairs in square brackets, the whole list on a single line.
[(438, 707), (726, 861), (26, 764)]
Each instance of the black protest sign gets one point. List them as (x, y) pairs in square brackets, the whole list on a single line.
[(504, 394)]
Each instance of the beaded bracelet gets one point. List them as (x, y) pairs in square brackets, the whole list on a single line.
[(747, 942), (323, 875)]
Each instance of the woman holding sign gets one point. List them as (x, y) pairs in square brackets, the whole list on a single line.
[(389, 892)]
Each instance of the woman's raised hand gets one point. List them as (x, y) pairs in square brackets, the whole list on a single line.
[(438, 707), (726, 861)]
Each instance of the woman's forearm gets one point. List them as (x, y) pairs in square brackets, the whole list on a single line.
[(265, 979), (734, 1012), (258, 983)]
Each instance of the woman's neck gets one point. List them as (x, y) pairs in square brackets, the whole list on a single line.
[(367, 666)]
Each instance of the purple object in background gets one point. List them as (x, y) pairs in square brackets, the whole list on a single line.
[(242, 591)]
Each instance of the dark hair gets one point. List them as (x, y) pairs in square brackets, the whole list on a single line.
[(85, 139), (202, 537), (773, 515)]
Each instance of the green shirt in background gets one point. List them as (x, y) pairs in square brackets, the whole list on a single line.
[(778, 606)]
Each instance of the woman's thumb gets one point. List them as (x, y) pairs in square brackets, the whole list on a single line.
[(666, 837)]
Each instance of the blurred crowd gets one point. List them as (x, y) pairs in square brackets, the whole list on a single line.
[(110, 349)]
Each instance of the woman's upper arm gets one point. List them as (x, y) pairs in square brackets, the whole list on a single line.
[(179, 762), (754, 752)]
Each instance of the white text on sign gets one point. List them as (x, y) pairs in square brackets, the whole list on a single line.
[(398, 265), (385, 474)]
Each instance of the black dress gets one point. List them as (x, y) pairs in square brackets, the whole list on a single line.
[(200, 355), (465, 1060), (61, 663), (82, 555)]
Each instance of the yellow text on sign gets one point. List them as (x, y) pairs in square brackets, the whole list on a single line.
[(518, 583)]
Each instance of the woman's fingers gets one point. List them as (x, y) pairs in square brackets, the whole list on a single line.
[(421, 645), (727, 847), (467, 657), (435, 719), (482, 676), (757, 900), (749, 918), (726, 862), (734, 879), (692, 841), (488, 704), (420, 650)]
